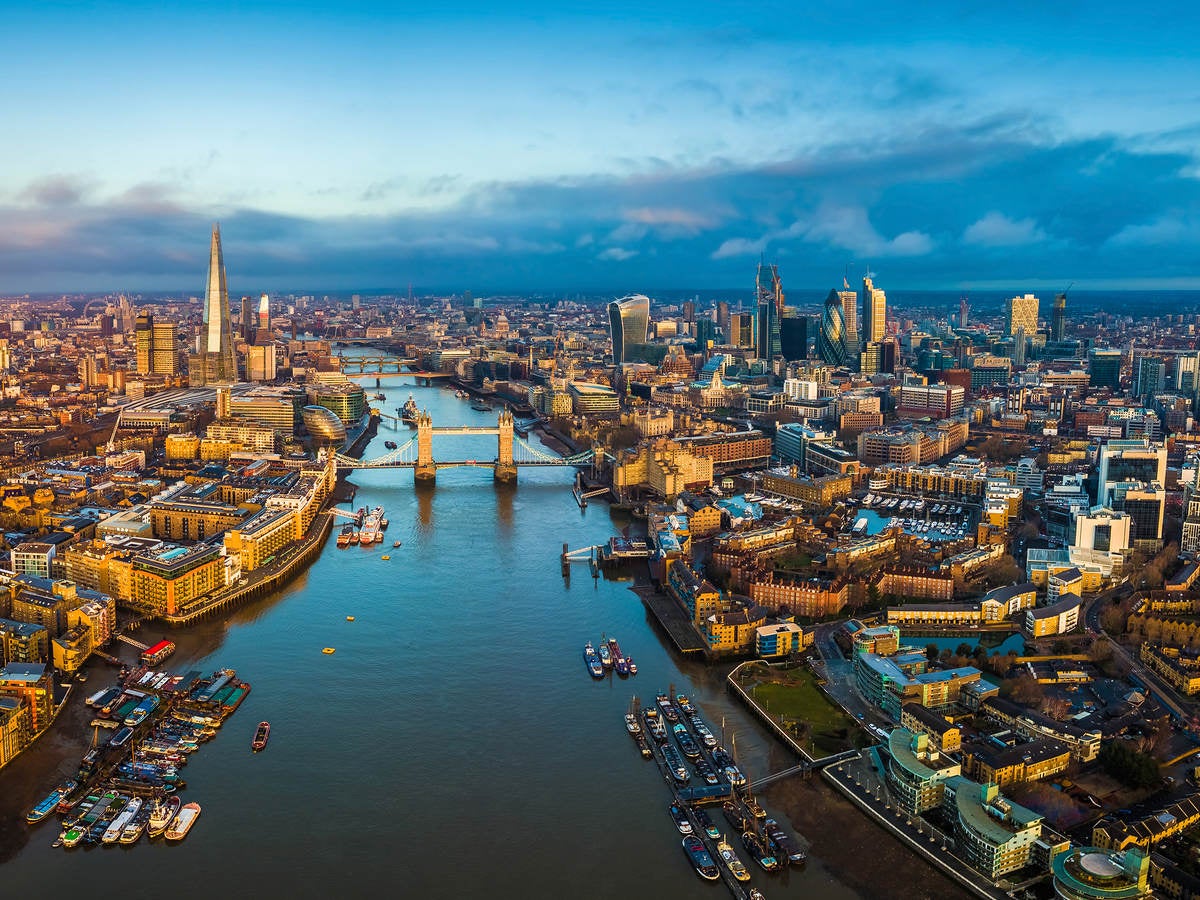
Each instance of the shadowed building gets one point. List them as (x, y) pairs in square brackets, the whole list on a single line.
[(629, 322)]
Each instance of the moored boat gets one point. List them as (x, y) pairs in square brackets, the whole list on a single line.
[(654, 723), (685, 705), (736, 867), (701, 860), (260, 736), (686, 742), (136, 827), (592, 660), (50, 803), (165, 810), (643, 746), (706, 823), (759, 853), (112, 833), (183, 822), (632, 665), (605, 655), (631, 724), (668, 708), (786, 845), (679, 769), (680, 818)]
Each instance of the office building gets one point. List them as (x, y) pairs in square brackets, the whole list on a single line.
[(874, 312), (832, 344), (994, 834), (1125, 464), (769, 291), (1021, 312), (629, 323), (793, 336), (1149, 377), (260, 355), (214, 361), (1104, 368), (154, 346)]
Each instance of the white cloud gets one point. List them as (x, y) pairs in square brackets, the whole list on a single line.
[(619, 254), (998, 230), (1163, 230), (740, 247)]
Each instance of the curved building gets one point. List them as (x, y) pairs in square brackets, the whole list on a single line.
[(1090, 873), (629, 323), (323, 424), (831, 340)]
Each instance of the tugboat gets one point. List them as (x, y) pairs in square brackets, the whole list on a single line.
[(260, 736)]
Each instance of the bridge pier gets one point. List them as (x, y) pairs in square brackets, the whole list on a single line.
[(505, 470), (426, 470)]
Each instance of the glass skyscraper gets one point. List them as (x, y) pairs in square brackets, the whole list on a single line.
[(769, 291), (214, 361), (831, 340), (628, 323)]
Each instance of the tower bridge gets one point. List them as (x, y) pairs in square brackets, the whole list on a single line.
[(512, 452)]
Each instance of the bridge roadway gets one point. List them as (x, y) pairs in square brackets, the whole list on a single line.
[(463, 463)]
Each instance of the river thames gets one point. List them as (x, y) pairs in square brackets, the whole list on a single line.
[(454, 745)]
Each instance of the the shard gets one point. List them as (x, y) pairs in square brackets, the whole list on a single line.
[(214, 361)]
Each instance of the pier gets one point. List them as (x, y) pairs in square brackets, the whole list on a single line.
[(673, 619)]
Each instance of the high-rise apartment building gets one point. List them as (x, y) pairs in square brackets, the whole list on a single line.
[(629, 323), (874, 312), (769, 291), (214, 361), (1150, 377), (1021, 312)]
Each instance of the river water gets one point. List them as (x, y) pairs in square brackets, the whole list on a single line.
[(454, 745)]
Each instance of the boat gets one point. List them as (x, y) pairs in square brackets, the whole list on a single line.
[(343, 538), (408, 412), (784, 843), (461, 394), (680, 818), (137, 827), (606, 659), (679, 770), (643, 746), (260, 736), (164, 811), (706, 823), (349, 618), (592, 660), (50, 803), (395, 544), (654, 724), (183, 822), (390, 445), (620, 663), (378, 396), (701, 861), (685, 705), (121, 737), (372, 528), (70, 798), (706, 771), (328, 650), (736, 867), (481, 406), (736, 817), (112, 833), (758, 852), (756, 894), (385, 557), (631, 724), (668, 708), (632, 665), (687, 743)]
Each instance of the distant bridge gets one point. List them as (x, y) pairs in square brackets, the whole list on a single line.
[(512, 452)]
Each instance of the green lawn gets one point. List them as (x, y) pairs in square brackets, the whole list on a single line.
[(796, 698)]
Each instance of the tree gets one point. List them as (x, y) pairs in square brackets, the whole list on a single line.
[(1006, 570), (931, 652), (1113, 620), (1025, 690), (963, 649)]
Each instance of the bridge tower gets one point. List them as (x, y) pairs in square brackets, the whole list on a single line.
[(425, 470), (505, 470)]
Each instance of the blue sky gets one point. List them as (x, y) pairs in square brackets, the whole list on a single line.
[(598, 147)]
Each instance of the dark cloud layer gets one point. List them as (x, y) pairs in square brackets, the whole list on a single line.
[(990, 201)]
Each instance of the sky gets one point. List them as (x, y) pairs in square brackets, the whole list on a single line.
[(621, 147)]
